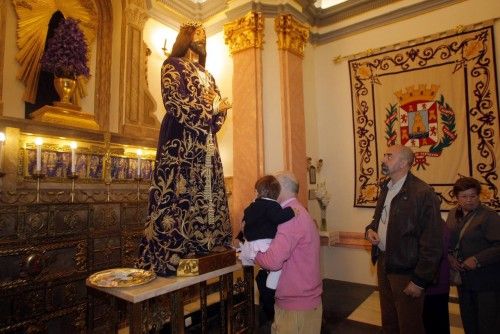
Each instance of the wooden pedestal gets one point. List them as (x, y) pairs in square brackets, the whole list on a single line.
[(64, 115)]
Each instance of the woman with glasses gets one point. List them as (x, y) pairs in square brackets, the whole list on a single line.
[(475, 253)]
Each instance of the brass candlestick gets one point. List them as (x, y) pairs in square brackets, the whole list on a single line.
[(73, 176), (38, 175), (107, 182), (138, 180)]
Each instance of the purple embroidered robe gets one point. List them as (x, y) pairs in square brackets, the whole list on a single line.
[(188, 210)]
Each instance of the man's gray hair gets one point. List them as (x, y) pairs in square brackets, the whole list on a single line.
[(407, 155), (288, 181)]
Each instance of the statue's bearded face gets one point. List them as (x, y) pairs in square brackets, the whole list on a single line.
[(199, 43)]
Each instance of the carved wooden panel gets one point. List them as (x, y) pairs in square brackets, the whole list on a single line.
[(47, 251), (42, 263), (69, 220), (36, 221), (102, 313), (20, 305), (62, 295), (106, 252), (130, 248), (105, 217), (70, 320), (134, 216), (9, 224), (16, 307)]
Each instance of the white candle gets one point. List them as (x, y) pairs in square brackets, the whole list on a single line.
[(139, 153), (73, 146), (38, 143), (2, 140)]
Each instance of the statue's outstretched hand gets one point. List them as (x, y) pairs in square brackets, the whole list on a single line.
[(209, 95)]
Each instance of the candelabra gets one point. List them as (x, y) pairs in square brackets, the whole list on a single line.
[(38, 176), (138, 180), (72, 176)]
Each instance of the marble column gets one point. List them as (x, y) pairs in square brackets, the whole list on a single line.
[(292, 37), (245, 39), (137, 105)]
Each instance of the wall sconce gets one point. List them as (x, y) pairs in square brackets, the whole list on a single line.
[(164, 48)]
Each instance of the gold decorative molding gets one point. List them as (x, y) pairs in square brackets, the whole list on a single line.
[(102, 74), (137, 105), (245, 33), (136, 16), (292, 35), (33, 19), (65, 116)]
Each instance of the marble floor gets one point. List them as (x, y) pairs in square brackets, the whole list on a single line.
[(348, 308), (351, 308), (369, 313)]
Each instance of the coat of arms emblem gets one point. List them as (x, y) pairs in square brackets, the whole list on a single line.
[(425, 124)]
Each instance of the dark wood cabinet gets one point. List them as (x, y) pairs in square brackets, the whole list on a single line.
[(46, 253)]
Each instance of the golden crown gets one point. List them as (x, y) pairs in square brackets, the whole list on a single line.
[(417, 93), (191, 24)]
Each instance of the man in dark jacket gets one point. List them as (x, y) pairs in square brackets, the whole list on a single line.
[(406, 238)]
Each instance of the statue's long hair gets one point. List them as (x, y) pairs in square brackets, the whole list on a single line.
[(182, 43)]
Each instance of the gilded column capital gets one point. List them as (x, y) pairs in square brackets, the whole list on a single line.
[(292, 35), (245, 33), (136, 16)]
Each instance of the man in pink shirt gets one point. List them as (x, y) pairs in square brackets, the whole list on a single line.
[(295, 250)]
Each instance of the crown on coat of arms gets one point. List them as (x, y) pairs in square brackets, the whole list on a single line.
[(193, 24), (417, 93)]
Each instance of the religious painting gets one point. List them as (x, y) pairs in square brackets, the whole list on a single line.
[(30, 162), (81, 165), (146, 169), (119, 168), (54, 164), (132, 169), (95, 167), (57, 164), (438, 97)]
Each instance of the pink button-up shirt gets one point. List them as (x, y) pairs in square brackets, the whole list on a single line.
[(296, 251)]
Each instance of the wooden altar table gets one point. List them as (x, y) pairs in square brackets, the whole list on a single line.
[(134, 296)]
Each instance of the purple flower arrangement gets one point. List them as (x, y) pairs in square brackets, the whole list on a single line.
[(66, 52)]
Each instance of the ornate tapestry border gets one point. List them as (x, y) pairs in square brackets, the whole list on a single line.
[(472, 52)]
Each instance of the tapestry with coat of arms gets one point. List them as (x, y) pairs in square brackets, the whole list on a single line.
[(438, 97)]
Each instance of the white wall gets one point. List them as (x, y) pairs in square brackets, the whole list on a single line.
[(220, 65), (334, 122)]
